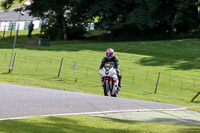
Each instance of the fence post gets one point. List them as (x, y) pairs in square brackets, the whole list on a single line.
[(76, 80), (195, 96), (4, 31), (18, 29), (157, 83), (74, 66), (13, 65), (11, 31), (59, 73)]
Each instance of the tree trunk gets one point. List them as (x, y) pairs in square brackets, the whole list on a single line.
[(64, 29)]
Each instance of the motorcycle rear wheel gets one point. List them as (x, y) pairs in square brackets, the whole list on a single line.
[(115, 95)]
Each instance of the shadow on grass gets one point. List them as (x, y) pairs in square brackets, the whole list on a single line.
[(196, 101), (178, 54), (174, 64), (88, 125), (59, 125)]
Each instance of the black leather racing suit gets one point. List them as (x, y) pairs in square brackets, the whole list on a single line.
[(115, 61)]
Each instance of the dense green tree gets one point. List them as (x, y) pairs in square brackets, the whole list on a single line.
[(143, 18), (7, 3), (124, 18), (54, 12), (49, 9), (58, 20)]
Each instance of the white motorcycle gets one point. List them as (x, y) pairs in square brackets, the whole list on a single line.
[(110, 80)]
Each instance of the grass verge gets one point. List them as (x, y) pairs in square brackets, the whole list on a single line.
[(87, 124), (15, 4), (177, 60)]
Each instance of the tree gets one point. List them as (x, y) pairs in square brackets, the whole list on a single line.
[(124, 18), (7, 3), (54, 12), (52, 8), (58, 20), (186, 15), (143, 18)]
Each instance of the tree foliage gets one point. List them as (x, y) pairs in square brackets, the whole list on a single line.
[(54, 12), (57, 22), (124, 18), (139, 17), (7, 3)]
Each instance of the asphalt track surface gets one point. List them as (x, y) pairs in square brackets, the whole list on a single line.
[(21, 101)]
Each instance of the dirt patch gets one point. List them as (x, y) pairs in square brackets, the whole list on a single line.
[(29, 42)]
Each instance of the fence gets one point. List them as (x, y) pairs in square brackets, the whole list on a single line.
[(23, 25), (87, 71), (8, 29)]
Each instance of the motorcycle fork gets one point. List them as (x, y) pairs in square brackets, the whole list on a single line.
[(110, 81)]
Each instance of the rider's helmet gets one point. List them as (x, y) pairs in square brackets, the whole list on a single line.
[(109, 53)]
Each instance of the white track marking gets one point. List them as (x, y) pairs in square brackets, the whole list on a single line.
[(93, 113)]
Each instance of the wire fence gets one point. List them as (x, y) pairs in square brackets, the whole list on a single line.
[(87, 71)]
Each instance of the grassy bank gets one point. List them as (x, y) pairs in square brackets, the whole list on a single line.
[(141, 61), (177, 60), (79, 124), (15, 4)]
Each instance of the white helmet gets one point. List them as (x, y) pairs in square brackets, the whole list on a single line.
[(109, 53)]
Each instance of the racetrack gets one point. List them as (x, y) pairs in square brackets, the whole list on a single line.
[(22, 101)]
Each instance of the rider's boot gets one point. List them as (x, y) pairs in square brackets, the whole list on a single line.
[(120, 83), (118, 89)]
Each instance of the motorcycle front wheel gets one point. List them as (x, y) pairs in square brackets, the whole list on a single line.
[(106, 88)]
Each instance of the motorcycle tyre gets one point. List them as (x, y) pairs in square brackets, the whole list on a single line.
[(106, 88)]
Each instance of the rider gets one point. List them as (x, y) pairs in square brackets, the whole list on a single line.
[(110, 57)]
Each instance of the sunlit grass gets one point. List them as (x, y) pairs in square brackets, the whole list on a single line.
[(15, 4), (79, 124), (141, 61)]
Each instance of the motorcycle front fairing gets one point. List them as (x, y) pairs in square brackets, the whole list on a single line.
[(109, 71)]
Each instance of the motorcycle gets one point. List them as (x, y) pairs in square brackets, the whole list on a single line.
[(110, 80)]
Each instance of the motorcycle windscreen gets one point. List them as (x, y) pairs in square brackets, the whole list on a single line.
[(108, 66)]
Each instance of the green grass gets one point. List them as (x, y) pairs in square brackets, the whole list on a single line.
[(11, 34), (141, 61), (177, 60), (86, 124), (15, 4)]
